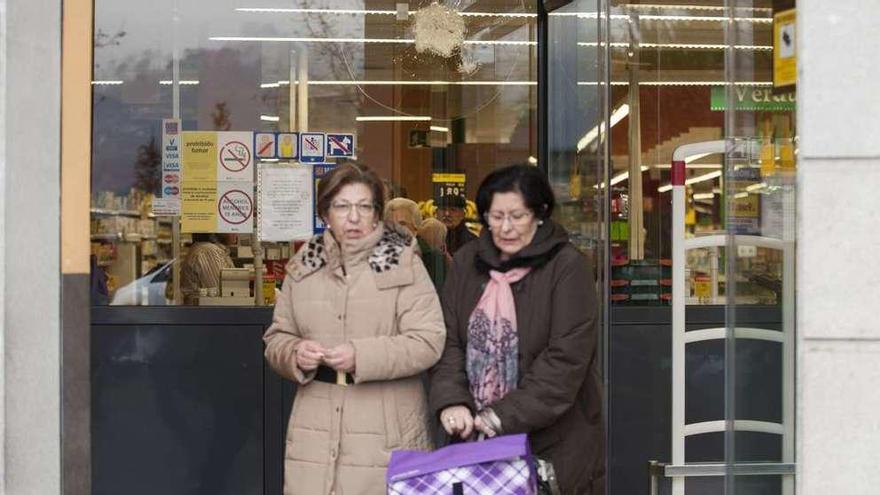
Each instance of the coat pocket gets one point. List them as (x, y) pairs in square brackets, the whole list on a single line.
[(392, 424)]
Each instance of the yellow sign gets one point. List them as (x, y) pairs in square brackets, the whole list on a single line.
[(460, 178), (784, 49), (199, 156), (448, 185), (198, 207), (702, 287)]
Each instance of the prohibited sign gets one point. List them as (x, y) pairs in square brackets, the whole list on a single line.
[(235, 208), (235, 156)]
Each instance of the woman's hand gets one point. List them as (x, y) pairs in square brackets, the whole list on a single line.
[(457, 420), (309, 355), (488, 423), (341, 358)]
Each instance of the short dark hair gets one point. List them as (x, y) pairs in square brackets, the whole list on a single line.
[(527, 180), (344, 175)]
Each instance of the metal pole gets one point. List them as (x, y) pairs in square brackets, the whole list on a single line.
[(175, 98), (636, 208), (788, 327), (679, 300), (543, 87), (291, 92), (730, 75), (655, 485), (302, 86)]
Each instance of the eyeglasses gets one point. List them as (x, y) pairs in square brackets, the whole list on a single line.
[(516, 218), (342, 210)]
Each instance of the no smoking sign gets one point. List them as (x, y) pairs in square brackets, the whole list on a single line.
[(235, 156)]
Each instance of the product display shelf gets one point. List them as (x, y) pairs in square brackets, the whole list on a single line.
[(108, 212)]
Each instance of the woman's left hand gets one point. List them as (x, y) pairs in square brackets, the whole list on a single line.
[(341, 358), (487, 422)]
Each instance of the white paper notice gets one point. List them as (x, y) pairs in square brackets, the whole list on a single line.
[(286, 206)]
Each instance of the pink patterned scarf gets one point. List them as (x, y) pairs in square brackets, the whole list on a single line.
[(492, 367)]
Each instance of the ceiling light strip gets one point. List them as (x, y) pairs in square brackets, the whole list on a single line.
[(392, 118), (679, 46), (401, 41), (679, 83), (266, 10)]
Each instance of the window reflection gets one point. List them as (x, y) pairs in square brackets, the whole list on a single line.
[(668, 80), (352, 67)]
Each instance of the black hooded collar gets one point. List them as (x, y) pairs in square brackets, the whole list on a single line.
[(549, 239)]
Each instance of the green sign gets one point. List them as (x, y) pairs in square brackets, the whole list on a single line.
[(755, 99)]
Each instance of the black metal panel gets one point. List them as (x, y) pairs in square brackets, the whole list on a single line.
[(640, 392), (178, 401)]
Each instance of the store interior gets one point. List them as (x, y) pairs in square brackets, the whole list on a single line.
[(361, 68)]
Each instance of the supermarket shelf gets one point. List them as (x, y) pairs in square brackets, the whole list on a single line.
[(105, 237), (119, 236), (123, 213)]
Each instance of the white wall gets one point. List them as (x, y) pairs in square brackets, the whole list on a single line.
[(31, 272), (838, 247), (2, 236)]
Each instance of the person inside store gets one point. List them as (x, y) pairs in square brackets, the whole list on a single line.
[(356, 323), (433, 232), (450, 211), (520, 307), (405, 213), (207, 257)]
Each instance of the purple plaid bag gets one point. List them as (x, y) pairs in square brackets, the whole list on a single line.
[(498, 466)]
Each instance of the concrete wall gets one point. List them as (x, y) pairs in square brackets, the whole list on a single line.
[(839, 245), (29, 168)]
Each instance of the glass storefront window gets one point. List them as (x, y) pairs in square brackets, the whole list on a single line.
[(669, 88), (430, 114)]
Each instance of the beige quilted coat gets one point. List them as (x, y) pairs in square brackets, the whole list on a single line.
[(340, 438)]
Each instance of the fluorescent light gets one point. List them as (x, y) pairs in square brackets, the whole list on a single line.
[(693, 7), (691, 166), (680, 83), (270, 118), (704, 196), (437, 128), (617, 179), (392, 118), (741, 195), (699, 18), (403, 41), (704, 177), (402, 83), (679, 46), (107, 83), (182, 83), (259, 10), (756, 187), (591, 135), (693, 180)]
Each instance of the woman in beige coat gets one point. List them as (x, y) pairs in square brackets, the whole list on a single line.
[(357, 321)]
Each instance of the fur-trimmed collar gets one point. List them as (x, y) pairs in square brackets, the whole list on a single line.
[(390, 260)]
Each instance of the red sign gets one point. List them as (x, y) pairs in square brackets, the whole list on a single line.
[(235, 207), (235, 156)]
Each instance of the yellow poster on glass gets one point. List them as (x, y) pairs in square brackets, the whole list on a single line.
[(784, 49), (199, 158), (198, 207)]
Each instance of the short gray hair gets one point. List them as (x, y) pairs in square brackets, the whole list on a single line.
[(403, 204)]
